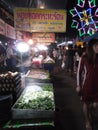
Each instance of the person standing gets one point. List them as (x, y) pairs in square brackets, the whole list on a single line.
[(70, 60), (87, 80), (78, 55), (55, 55), (60, 51), (11, 58)]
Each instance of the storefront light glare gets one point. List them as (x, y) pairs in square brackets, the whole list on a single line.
[(35, 49), (22, 47), (30, 42)]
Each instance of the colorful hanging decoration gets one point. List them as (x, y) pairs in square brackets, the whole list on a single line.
[(85, 17)]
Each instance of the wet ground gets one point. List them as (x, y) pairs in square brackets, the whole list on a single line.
[(69, 114)]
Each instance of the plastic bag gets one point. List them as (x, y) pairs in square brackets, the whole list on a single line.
[(63, 65)]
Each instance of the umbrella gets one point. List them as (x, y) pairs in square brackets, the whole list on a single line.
[(87, 39)]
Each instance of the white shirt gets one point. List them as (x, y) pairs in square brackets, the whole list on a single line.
[(9, 52)]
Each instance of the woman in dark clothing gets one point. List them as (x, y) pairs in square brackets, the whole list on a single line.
[(70, 59), (87, 79)]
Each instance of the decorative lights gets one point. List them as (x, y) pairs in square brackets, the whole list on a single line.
[(85, 18)]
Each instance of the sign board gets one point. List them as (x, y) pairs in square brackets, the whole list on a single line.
[(10, 31), (2, 27), (19, 35), (43, 37), (40, 20)]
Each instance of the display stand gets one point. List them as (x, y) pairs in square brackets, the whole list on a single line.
[(30, 124)]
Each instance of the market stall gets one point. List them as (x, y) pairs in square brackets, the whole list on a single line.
[(34, 108), (37, 75), (36, 101), (36, 62), (11, 83)]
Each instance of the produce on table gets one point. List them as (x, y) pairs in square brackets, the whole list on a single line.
[(39, 74), (37, 99)]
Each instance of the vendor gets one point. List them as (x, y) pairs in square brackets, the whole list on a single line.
[(11, 59)]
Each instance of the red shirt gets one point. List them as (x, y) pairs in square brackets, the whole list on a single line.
[(87, 78)]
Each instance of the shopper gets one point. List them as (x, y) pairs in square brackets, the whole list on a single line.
[(78, 55), (70, 59), (60, 54), (87, 79), (55, 55), (11, 59)]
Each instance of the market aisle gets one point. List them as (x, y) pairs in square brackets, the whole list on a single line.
[(69, 114)]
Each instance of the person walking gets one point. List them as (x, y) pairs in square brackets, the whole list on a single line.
[(87, 80), (55, 55)]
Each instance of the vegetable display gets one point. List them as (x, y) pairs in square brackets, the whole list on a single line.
[(37, 98), (39, 74)]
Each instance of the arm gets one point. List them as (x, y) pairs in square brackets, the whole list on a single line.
[(79, 75)]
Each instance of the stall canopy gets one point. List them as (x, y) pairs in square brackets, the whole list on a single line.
[(65, 43), (62, 44)]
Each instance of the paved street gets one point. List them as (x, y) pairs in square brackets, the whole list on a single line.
[(69, 114)]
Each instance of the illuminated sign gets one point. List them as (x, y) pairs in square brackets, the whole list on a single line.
[(40, 20), (43, 37)]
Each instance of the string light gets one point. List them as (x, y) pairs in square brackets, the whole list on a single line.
[(83, 19)]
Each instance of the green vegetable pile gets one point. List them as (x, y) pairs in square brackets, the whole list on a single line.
[(37, 100)]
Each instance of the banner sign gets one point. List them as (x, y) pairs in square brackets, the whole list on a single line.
[(19, 35), (40, 20), (43, 37), (2, 27), (10, 31)]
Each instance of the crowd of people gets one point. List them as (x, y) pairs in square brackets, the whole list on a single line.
[(68, 57), (65, 57)]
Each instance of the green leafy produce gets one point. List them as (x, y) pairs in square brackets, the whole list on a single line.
[(47, 87), (37, 100)]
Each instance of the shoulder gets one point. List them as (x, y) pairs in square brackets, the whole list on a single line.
[(84, 58)]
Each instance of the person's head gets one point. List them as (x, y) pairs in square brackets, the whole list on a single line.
[(10, 45), (93, 45), (92, 49)]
